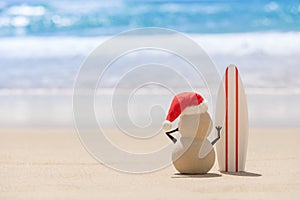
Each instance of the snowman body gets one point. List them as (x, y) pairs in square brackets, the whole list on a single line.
[(193, 153)]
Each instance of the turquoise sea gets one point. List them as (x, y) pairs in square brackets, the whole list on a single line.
[(94, 18)]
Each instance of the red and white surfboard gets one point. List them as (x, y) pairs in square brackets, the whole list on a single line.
[(232, 116)]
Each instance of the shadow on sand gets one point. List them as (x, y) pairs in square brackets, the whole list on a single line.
[(249, 174), (208, 175)]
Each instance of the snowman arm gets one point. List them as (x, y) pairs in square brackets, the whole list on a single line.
[(218, 137), (174, 140)]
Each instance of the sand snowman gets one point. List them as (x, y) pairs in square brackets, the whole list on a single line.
[(193, 154)]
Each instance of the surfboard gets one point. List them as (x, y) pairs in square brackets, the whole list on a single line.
[(232, 116)]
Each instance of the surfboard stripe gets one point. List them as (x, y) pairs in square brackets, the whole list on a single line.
[(226, 121), (236, 120)]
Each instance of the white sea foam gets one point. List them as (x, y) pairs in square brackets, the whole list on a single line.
[(273, 43), (268, 61), (47, 47)]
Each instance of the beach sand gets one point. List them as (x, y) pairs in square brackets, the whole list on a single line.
[(46, 163)]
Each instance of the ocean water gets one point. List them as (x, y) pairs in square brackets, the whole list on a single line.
[(44, 43), (94, 18)]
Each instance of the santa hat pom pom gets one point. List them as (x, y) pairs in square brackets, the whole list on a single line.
[(167, 125)]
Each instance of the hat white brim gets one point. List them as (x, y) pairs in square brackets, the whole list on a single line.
[(191, 110)]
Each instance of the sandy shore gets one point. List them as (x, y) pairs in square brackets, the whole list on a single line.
[(52, 164)]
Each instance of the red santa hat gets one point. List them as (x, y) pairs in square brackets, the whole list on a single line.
[(186, 103)]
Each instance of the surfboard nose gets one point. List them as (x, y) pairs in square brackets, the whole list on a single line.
[(232, 66)]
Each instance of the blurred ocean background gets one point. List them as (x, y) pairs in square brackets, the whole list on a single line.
[(43, 44)]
